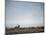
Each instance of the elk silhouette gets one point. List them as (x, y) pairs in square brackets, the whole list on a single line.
[(18, 26)]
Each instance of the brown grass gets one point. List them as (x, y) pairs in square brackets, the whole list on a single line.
[(25, 30)]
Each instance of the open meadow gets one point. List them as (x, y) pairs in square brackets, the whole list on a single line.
[(24, 30)]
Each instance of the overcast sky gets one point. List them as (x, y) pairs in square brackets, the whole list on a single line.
[(26, 14)]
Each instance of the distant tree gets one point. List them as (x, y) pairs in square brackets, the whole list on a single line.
[(18, 26)]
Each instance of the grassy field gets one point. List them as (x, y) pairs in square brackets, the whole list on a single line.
[(24, 30)]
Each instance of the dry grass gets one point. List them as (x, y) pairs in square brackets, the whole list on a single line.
[(25, 30)]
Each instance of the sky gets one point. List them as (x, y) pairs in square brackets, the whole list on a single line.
[(26, 14)]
